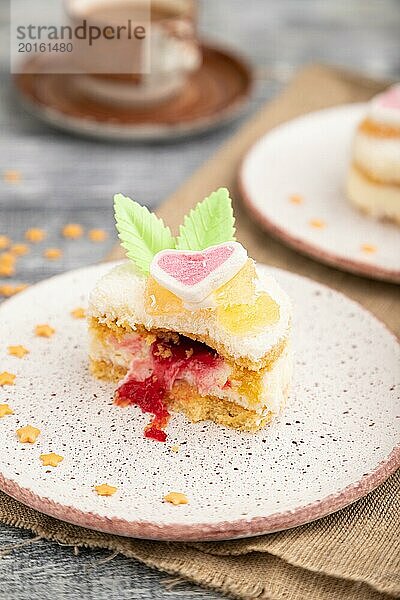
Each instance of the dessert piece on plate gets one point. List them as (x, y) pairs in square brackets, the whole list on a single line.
[(189, 324), (373, 182)]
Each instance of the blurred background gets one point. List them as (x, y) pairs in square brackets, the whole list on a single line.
[(62, 178), (49, 178)]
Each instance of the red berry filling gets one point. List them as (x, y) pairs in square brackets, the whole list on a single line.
[(173, 359)]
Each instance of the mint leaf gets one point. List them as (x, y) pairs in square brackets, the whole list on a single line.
[(210, 223), (142, 234)]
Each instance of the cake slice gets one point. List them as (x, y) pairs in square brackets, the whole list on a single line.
[(191, 326), (373, 183)]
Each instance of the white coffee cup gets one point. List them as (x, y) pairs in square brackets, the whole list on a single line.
[(149, 75)]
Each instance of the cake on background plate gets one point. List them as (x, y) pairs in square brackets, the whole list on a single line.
[(373, 183), (189, 324)]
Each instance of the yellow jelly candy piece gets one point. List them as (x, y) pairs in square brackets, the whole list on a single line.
[(240, 289), (240, 319), (252, 387), (160, 301)]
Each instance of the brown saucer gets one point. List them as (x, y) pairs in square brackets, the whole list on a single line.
[(213, 95)]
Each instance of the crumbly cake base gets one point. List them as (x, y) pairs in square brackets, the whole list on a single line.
[(106, 371), (379, 200), (186, 400)]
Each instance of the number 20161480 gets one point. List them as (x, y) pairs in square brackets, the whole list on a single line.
[(29, 47)]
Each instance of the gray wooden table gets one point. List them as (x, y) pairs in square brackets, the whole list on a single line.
[(66, 179)]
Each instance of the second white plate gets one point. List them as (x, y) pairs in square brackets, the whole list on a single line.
[(293, 182)]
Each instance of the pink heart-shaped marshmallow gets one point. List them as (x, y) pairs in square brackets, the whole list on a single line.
[(194, 275), (391, 98)]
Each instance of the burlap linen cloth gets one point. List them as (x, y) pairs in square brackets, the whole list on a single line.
[(353, 554)]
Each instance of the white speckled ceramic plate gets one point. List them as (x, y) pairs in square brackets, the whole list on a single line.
[(335, 441), (308, 158)]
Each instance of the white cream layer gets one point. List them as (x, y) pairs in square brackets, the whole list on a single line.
[(380, 157), (381, 201), (119, 297)]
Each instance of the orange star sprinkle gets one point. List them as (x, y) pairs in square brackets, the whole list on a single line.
[(78, 313), (19, 249), (18, 351), (296, 199), (28, 434), (369, 248), (97, 235), (52, 253), (6, 258), (5, 410), (72, 231), (12, 176), (4, 242), (317, 223), (7, 378), (44, 331), (51, 460), (7, 264), (176, 498), (175, 448), (6, 270), (105, 490), (35, 235), (8, 290)]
